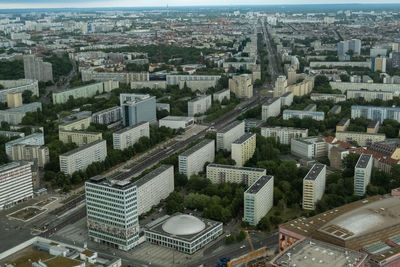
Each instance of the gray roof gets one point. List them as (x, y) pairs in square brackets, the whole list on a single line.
[(363, 161), (286, 94), (197, 147), (230, 126), (372, 124), (269, 101), (343, 121), (258, 184), (314, 171), (101, 180), (244, 138), (69, 153), (130, 128), (176, 118), (148, 177), (235, 167), (199, 98)]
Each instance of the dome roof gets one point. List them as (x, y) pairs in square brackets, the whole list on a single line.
[(183, 224)]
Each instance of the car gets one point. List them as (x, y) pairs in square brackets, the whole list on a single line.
[(242, 246)]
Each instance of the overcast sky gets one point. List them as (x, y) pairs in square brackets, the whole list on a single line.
[(4, 4)]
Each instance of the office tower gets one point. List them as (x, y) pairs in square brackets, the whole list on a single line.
[(112, 217), (137, 108)]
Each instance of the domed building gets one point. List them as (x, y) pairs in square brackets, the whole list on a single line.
[(183, 232)]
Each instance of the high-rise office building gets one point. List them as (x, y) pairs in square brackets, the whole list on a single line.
[(15, 183), (362, 174), (314, 186), (137, 108), (258, 199), (36, 69), (112, 217)]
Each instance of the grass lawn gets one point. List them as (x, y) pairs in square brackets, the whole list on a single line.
[(26, 213)]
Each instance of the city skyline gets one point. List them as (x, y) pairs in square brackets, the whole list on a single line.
[(39, 4)]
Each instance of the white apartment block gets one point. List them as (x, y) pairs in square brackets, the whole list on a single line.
[(14, 116), (369, 95), (284, 135), (344, 86), (112, 217), (362, 174), (243, 148), (271, 108), (301, 114), (176, 122), (362, 138), (15, 183), (192, 160), (199, 105), (336, 98), (309, 148), (18, 86), (221, 95), (38, 154), (287, 99), (314, 186), (258, 199), (230, 133), (178, 79), (218, 173), (154, 187), (107, 116), (36, 139), (81, 157), (128, 136), (122, 77), (80, 138)]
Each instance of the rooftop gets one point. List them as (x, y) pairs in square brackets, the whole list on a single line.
[(69, 153), (106, 110), (117, 184), (373, 124), (286, 94), (257, 185), (176, 118), (363, 161), (12, 165), (197, 147), (310, 107), (213, 165), (153, 174), (269, 101), (343, 122), (313, 253), (230, 126), (244, 138), (123, 130), (314, 171), (222, 91), (199, 98)]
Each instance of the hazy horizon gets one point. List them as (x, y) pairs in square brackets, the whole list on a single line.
[(41, 4)]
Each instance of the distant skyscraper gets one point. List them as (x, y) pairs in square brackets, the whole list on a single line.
[(137, 108), (36, 69)]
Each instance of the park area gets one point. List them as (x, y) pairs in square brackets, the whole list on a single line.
[(26, 214), (45, 202)]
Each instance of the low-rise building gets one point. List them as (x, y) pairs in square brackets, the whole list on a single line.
[(258, 199), (284, 135), (15, 183), (218, 173), (230, 133), (362, 174), (80, 138), (314, 186), (192, 160), (271, 108), (309, 148), (176, 122), (301, 114), (81, 157), (128, 136), (362, 138), (199, 105), (243, 148), (154, 187)]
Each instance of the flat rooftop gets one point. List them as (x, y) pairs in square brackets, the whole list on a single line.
[(196, 147), (176, 118), (284, 128), (314, 171), (286, 94), (69, 153), (148, 177), (363, 160), (310, 107), (343, 122), (101, 180), (199, 98), (213, 165), (230, 126), (314, 253), (126, 129), (373, 124), (257, 185), (244, 138), (270, 101)]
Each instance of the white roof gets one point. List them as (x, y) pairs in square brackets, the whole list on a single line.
[(183, 224)]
